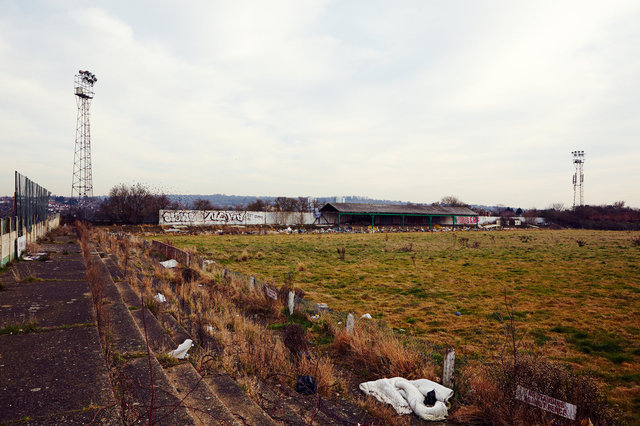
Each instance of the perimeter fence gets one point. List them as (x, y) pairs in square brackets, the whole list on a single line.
[(30, 219)]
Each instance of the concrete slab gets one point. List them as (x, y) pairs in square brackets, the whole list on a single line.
[(45, 374), (159, 340), (238, 402), (167, 408), (173, 327), (49, 303), (205, 407), (94, 416)]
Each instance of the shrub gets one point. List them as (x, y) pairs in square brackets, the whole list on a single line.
[(294, 338), (489, 394)]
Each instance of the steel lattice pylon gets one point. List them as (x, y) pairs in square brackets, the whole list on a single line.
[(82, 185), (578, 179)]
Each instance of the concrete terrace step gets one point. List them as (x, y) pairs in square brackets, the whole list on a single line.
[(56, 374), (141, 379), (204, 404), (238, 402), (211, 399)]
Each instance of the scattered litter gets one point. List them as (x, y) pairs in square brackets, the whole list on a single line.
[(306, 385), (171, 263), (36, 256), (430, 399), (181, 351), (366, 316), (321, 307), (160, 298), (339, 322), (458, 313), (36, 389), (209, 328), (408, 396)]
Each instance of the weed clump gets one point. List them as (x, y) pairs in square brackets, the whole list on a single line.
[(244, 256), (294, 338), (489, 393)]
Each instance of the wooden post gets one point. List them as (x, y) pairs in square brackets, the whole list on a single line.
[(448, 367)]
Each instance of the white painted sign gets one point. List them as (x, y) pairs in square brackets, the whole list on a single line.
[(547, 403), (271, 293)]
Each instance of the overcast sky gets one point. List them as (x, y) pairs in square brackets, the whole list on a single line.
[(403, 100)]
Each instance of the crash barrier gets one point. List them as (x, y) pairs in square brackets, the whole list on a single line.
[(171, 252), (15, 238)]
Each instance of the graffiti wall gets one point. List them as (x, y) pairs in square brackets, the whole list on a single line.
[(466, 220), (231, 217)]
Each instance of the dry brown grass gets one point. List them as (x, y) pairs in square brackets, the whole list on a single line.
[(374, 351), (244, 256), (489, 393)]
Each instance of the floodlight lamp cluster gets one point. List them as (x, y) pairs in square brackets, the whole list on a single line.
[(88, 77)]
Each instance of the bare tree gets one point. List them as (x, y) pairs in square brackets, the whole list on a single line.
[(257, 206), (285, 204), (134, 204), (202, 204), (452, 201)]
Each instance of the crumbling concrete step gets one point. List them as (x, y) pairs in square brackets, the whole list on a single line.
[(129, 296), (173, 327), (159, 340), (146, 390), (154, 404), (204, 405), (237, 402), (217, 394)]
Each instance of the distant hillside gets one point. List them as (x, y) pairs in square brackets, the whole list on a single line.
[(231, 201)]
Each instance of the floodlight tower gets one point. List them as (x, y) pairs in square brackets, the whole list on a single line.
[(82, 185), (578, 178)]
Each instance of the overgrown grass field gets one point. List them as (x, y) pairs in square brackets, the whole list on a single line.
[(576, 293)]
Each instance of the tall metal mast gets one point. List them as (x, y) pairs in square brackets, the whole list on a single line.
[(82, 185), (578, 179)]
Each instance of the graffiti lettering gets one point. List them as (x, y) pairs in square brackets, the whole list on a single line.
[(466, 220)]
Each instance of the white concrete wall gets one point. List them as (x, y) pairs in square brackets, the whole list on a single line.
[(11, 246), (490, 220), (230, 217)]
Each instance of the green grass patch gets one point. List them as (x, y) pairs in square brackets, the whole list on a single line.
[(27, 327)]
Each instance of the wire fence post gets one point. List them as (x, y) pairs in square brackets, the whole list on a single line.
[(292, 302)]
